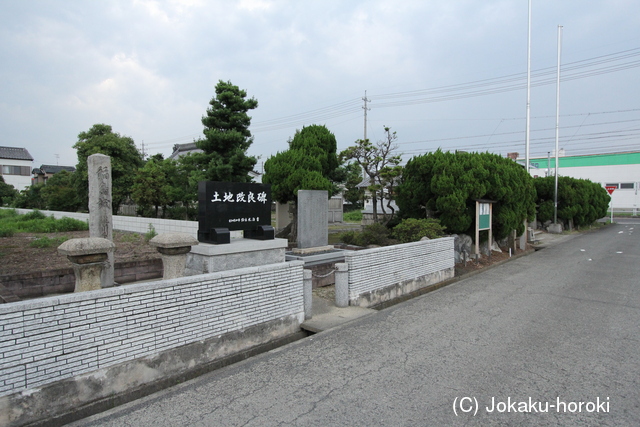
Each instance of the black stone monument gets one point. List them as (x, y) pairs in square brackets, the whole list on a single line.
[(225, 206)]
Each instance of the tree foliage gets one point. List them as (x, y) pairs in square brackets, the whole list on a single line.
[(125, 161), (30, 198), (579, 200), (7, 192), (226, 137), (310, 163), (352, 193), (445, 185), (379, 164), (151, 186), (59, 193)]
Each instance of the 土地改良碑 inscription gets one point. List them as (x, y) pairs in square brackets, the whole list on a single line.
[(224, 206)]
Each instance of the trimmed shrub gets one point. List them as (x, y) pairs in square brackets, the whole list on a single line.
[(579, 200), (445, 185), (374, 234), (412, 229)]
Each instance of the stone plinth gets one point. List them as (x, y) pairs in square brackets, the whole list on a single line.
[(173, 248), (89, 257), (240, 253)]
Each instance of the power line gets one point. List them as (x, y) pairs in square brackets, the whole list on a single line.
[(574, 70)]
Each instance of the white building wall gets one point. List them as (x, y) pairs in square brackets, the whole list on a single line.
[(622, 198), (20, 182)]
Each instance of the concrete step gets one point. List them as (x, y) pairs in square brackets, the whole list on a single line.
[(326, 315)]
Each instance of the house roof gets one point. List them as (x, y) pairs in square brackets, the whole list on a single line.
[(15, 153), (53, 169), (182, 149)]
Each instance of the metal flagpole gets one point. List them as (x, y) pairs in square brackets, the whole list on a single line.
[(528, 126), (555, 209)]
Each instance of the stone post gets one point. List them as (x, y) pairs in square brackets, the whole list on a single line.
[(173, 248), (307, 293), (342, 284), (89, 259), (100, 210)]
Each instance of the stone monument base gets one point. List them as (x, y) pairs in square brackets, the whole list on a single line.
[(240, 253)]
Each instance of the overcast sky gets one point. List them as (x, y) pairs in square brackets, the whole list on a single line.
[(441, 73)]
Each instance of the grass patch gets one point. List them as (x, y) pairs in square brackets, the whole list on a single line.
[(128, 237), (37, 222), (47, 242), (7, 213), (6, 232), (353, 216)]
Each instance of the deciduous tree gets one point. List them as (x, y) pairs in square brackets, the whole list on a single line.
[(376, 160), (59, 194), (125, 161), (7, 192), (150, 186)]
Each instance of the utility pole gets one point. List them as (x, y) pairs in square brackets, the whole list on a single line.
[(365, 108), (143, 149), (57, 158)]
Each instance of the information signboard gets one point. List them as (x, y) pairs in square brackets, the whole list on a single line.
[(484, 216)]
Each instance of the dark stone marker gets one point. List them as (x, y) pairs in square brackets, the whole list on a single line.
[(224, 206)]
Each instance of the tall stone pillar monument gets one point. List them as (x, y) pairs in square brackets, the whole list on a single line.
[(100, 217)]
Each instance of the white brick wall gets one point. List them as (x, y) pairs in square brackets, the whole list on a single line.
[(377, 268), (54, 338)]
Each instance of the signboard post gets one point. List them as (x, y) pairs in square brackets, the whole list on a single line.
[(610, 190), (224, 206), (484, 209)]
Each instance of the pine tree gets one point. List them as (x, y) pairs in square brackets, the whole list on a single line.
[(226, 137)]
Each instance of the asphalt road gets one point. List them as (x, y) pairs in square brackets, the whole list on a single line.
[(555, 334)]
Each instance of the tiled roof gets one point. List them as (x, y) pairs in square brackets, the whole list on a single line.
[(182, 149), (52, 169), (15, 153)]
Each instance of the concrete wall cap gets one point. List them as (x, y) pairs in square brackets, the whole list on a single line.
[(173, 240), (86, 246)]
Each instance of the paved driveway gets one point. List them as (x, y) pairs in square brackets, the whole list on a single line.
[(556, 331)]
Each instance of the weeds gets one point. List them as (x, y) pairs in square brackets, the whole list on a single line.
[(128, 237), (47, 242), (36, 222), (6, 232), (150, 234)]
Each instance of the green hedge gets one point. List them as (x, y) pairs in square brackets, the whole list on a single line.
[(445, 185), (579, 200)]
